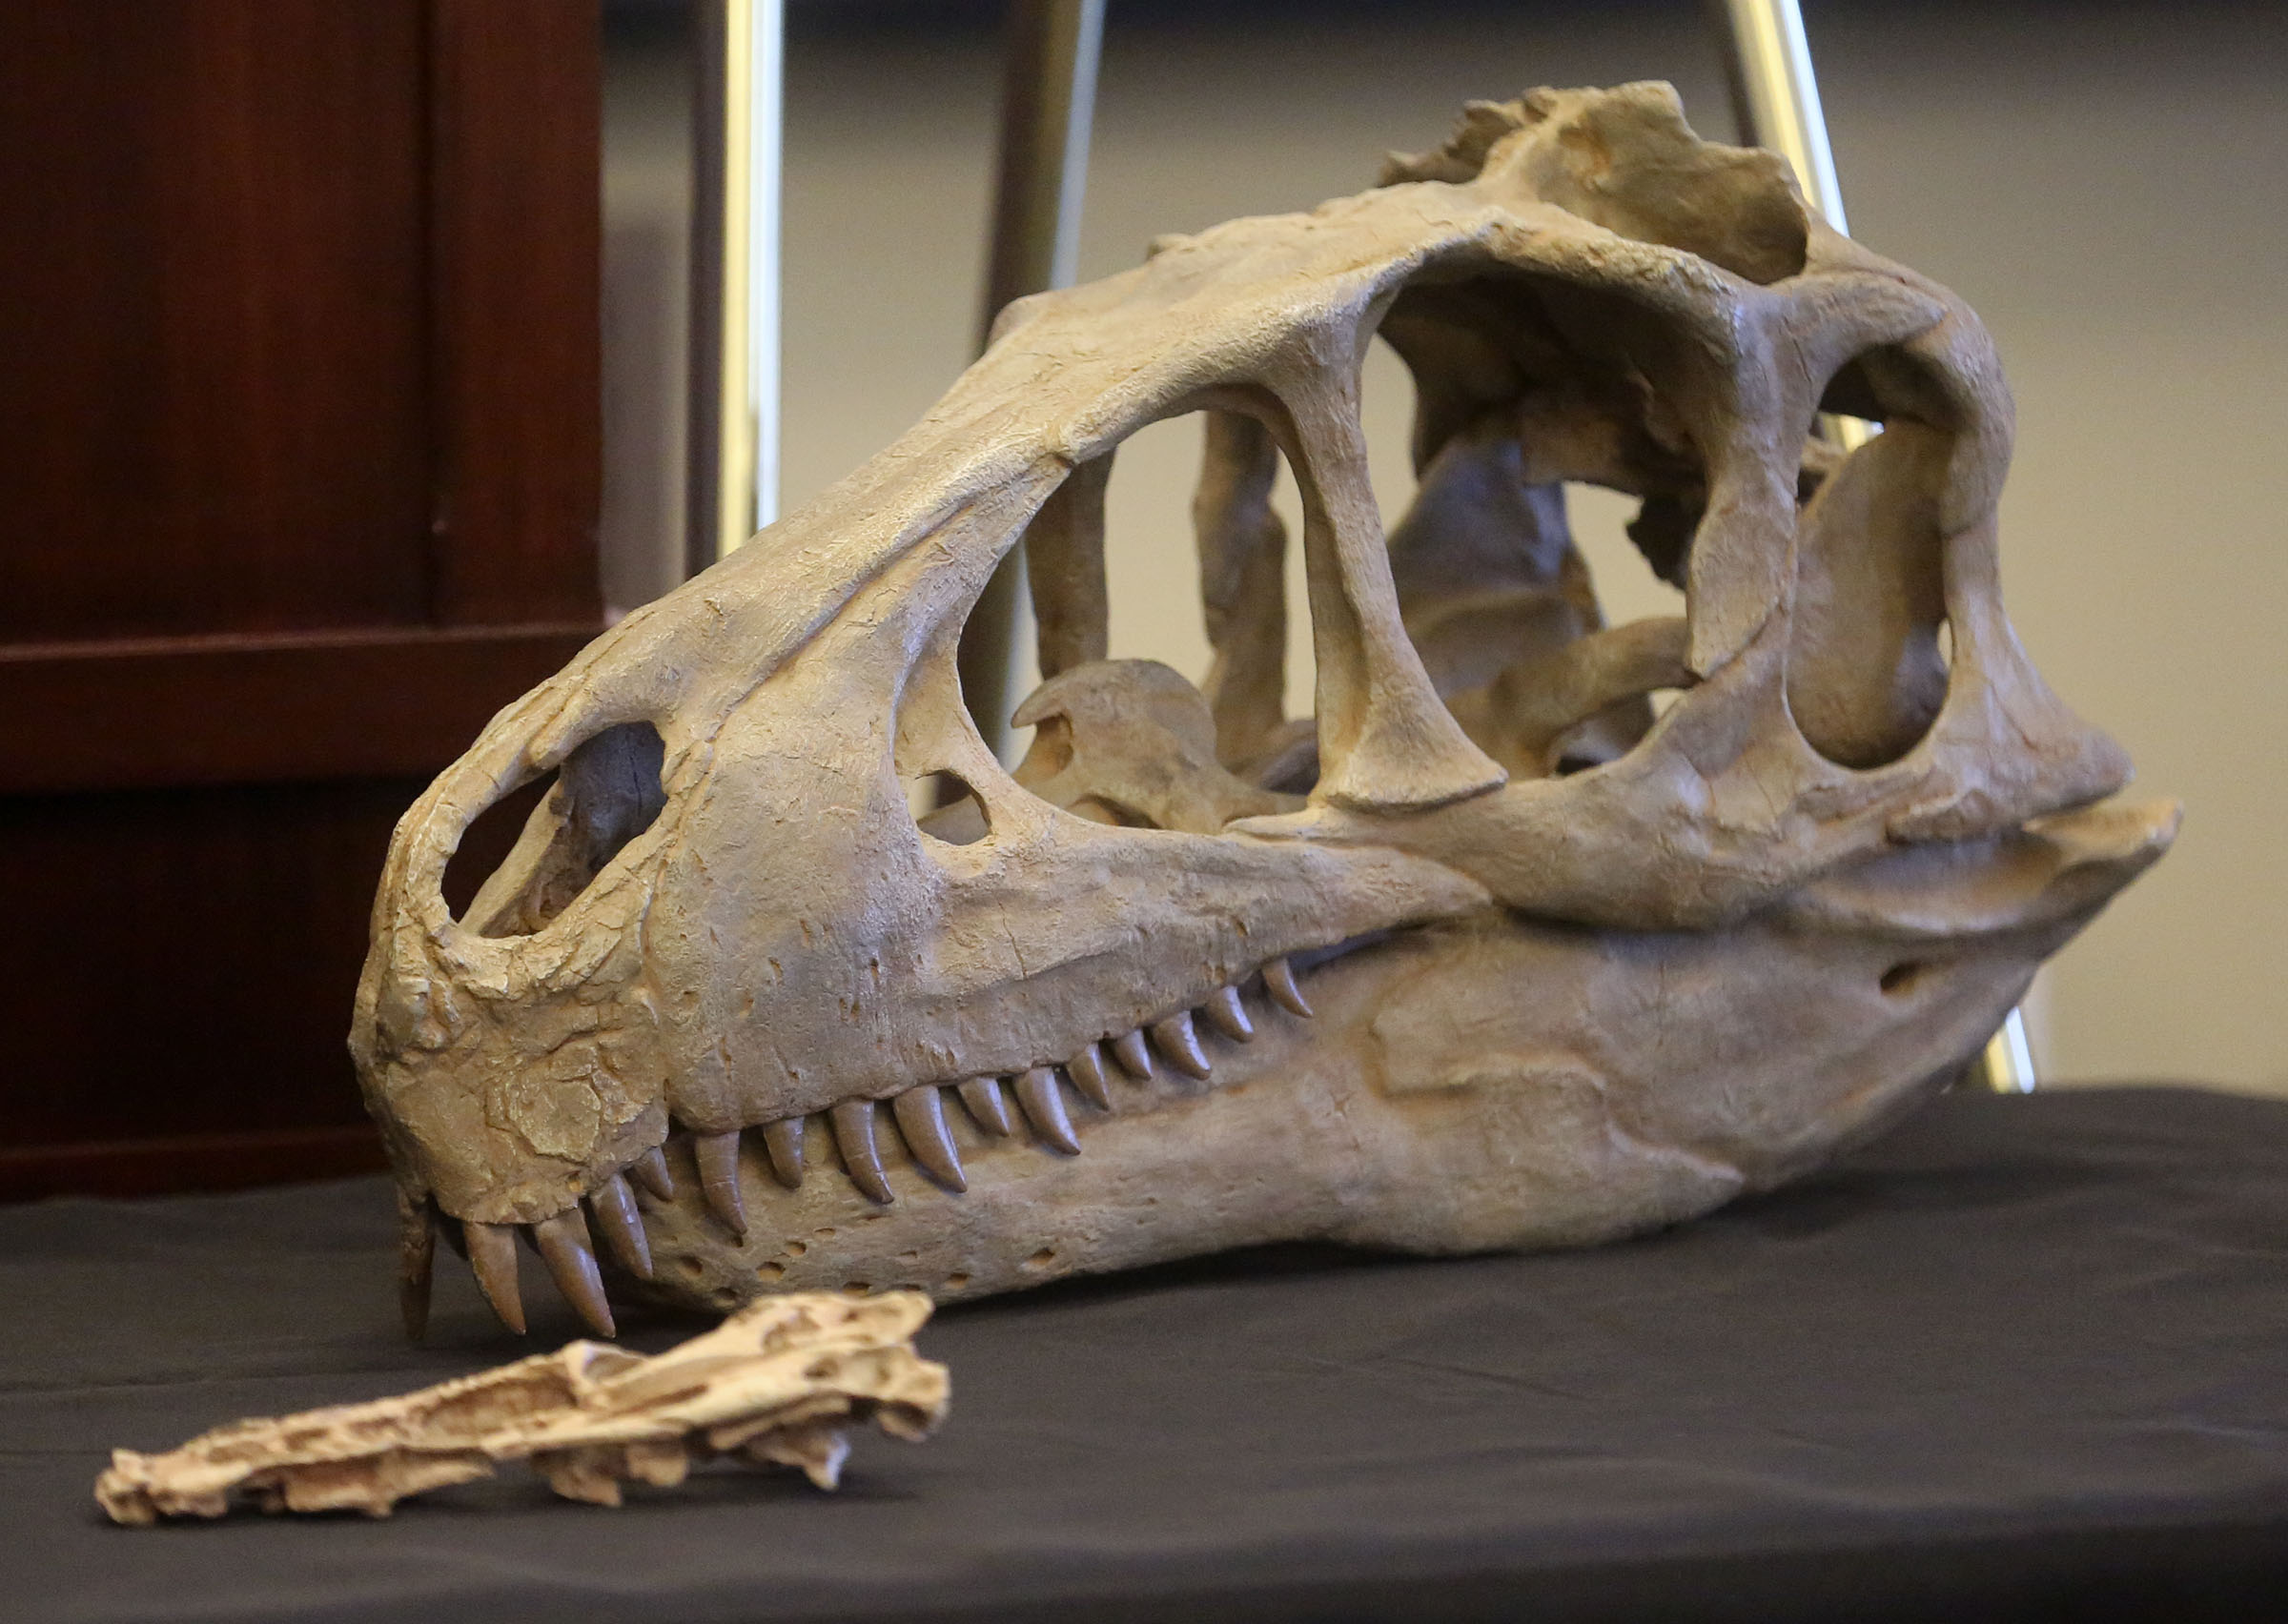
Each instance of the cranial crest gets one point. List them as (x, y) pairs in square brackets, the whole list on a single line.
[(1534, 931)]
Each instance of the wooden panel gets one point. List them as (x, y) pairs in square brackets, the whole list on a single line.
[(211, 309), (191, 1162), (110, 716), (184, 961), (517, 110), (300, 461)]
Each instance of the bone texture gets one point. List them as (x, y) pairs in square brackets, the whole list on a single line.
[(776, 1384), (1523, 928)]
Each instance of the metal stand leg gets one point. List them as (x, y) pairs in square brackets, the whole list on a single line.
[(1049, 102), (1775, 97), (732, 489)]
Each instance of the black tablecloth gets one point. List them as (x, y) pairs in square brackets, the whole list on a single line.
[(2025, 1358)]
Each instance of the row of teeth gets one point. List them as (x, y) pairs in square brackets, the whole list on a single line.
[(564, 1241)]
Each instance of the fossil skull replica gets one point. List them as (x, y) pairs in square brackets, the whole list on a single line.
[(1491, 952)]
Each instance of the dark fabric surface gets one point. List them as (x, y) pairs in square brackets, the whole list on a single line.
[(2025, 1358)]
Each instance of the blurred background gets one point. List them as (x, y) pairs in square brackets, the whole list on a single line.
[(343, 346)]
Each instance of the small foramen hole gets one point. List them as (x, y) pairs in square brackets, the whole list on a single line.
[(1902, 977), (960, 818), (770, 1273), (1041, 1259), (956, 1280)]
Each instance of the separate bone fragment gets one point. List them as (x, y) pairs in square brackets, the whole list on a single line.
[(1595, 926), (777, 1382)]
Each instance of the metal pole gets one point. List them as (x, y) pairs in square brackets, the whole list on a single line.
[(732, 487), (1775, 98), (1048, 103)]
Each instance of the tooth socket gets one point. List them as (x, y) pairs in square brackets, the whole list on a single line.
[(921, 1114), (1228, 1015), (650, 1170), (853, 1123), (717, 1157), (1278, 981), (1175, 1039), (1087, 1072), (985, 1101), (564, 1243), (783, 1141), (614, 1204), (493, 1259), (1134, 1057), (1043, 1104)]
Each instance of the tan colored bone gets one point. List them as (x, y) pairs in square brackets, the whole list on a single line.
[(1574, 970), (777, 1383)]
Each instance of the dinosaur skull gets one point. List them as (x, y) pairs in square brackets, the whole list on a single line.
[(1489, 952)]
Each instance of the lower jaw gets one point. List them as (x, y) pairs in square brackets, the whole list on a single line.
[(1498, 1084)]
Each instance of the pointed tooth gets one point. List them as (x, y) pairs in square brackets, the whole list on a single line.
[(783, 1139), (718, 1158), (854, 1137), (417, 1256), (1134, 1057), (614, 1204), (1175, 1039), (650, 1170), (921, 1114), (1228, 1015), (564, 1243), (493, 1256), (1087, 1072), (987, 1104), (1278, 980), (1044, 1107)]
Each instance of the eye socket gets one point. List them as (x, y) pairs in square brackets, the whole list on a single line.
[(574, 821)]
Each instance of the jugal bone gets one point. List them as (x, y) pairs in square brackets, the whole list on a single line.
[(1529, 931), (775, 1384)]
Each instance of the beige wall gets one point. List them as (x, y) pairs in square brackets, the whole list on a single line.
[(2105, 186)]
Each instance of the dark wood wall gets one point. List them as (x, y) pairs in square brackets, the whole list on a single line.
[(298, 482)]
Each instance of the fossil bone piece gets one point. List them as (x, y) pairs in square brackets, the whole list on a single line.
[(1597, 926), (776, 1383)]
